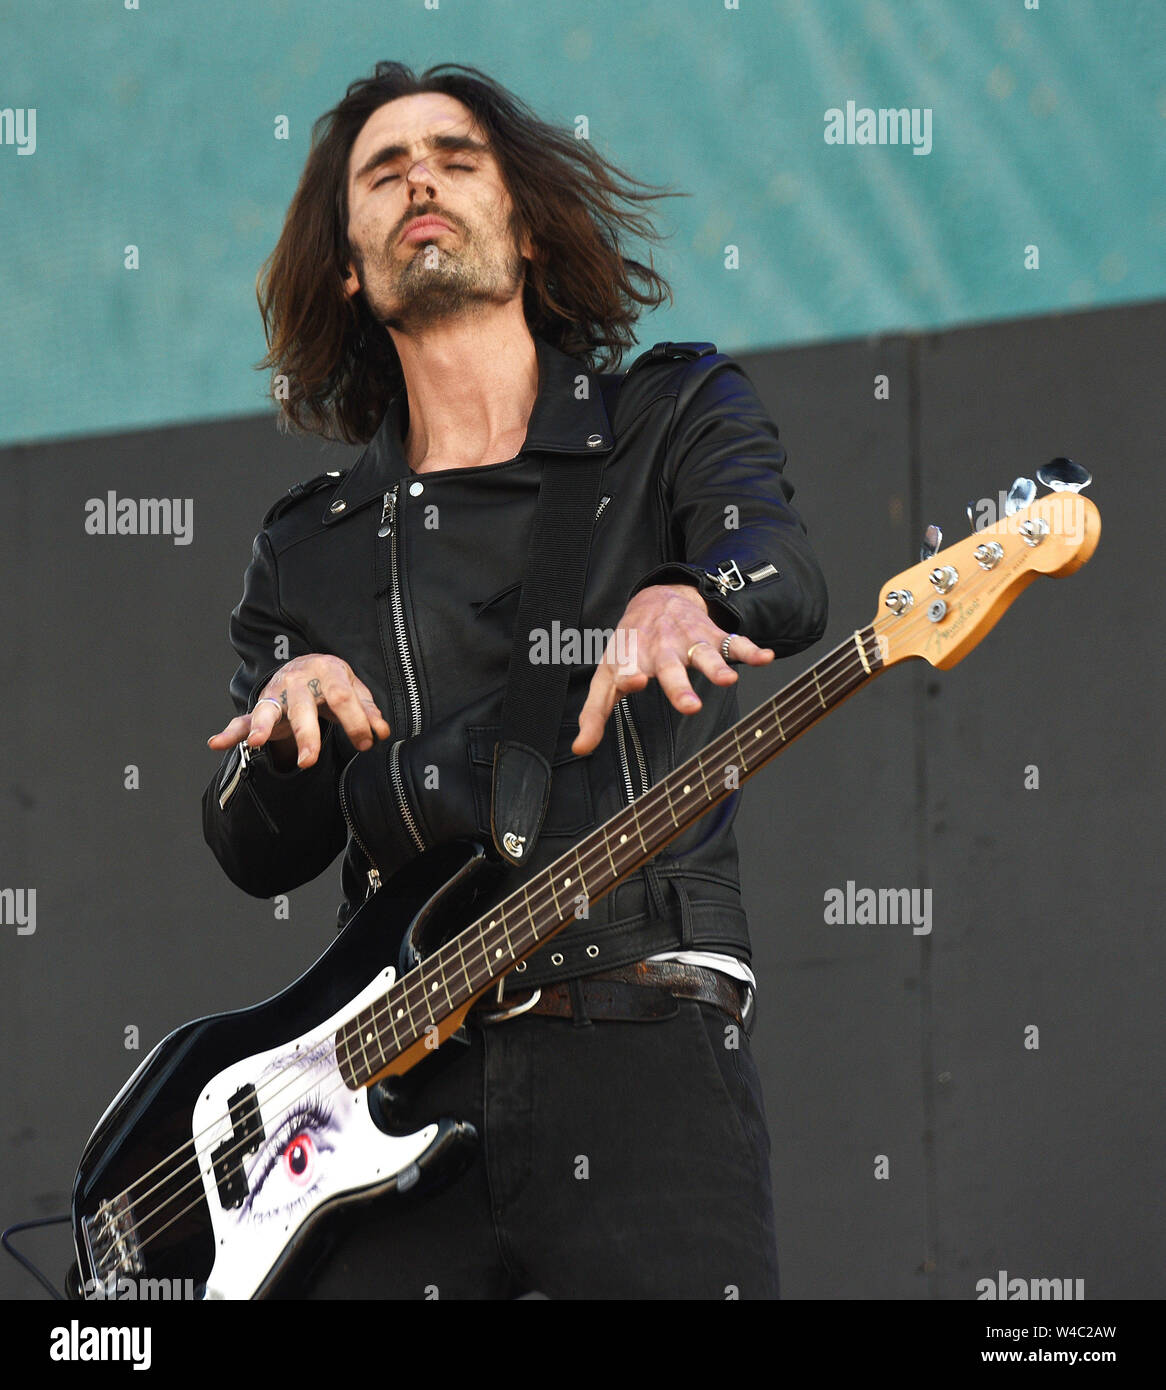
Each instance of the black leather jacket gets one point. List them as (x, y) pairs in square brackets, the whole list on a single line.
[(694, 488)]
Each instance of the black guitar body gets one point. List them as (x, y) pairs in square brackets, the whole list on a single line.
[(140, 1206)]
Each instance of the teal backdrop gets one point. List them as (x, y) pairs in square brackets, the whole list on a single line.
[(156, 127)]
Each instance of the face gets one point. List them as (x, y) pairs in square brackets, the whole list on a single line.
[(434, 273)]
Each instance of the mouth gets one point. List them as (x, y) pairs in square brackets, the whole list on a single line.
[(424, 229)]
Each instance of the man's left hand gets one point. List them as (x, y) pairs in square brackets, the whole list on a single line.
[(655, 634)]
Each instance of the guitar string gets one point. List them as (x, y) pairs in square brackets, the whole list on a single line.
[(293, 1074), (843, 651), (912, 618), (843, 656)]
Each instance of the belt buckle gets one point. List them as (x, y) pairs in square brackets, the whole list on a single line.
[(501, 1015)]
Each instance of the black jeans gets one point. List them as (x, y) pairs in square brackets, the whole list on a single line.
[(617, 1160)]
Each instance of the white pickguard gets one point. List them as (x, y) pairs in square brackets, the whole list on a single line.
[(306, 1109)]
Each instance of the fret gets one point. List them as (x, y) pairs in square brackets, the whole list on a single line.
[(742, 760), (623, 834), (814, 673), (668, 798), (635, 813), (376, 1029), (505, 931), (610, 856), (490, 959), (582, 881), (704, 777), (429, 1016), (465, 971), (527, 908), (342, 1037), (363, 1049), (777, 719), (550, 877), (440, 981), (402, 991), (392, 1024)]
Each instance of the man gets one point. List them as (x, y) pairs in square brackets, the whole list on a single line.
[(446, 272)]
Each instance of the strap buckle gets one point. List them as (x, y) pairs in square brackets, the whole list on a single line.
[(728, 577), (500, 1015)]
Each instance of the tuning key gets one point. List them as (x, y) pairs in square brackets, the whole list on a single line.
[(932, 540), (1020, 494), (1063, 475)]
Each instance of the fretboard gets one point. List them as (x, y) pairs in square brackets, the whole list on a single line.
[(490, 947)]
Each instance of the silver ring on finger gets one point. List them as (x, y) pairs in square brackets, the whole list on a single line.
[(270, 698), (688, 654), (725, 645)]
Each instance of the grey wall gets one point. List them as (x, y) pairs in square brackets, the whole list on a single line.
[(871, 1040)]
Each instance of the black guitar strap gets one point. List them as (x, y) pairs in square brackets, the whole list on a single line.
[(532, 710)]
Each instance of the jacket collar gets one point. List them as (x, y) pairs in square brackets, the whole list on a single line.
[(560, 423)]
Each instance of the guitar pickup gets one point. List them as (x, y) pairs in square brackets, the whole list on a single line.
[(245, 1138)]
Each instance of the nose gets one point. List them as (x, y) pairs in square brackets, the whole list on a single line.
[(428, 177)]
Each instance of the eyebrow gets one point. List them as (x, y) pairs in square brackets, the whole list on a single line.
[(387, 153)]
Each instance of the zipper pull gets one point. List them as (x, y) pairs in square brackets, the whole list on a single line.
[(374, 883), (388, 512)]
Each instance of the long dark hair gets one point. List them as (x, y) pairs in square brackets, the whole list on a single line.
[(334, 367)]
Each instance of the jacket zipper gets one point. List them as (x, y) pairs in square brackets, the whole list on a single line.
[(399, 788), (374, 874), (388, 528), (623, 752)]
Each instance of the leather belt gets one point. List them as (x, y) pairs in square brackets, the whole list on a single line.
[(643, 991)]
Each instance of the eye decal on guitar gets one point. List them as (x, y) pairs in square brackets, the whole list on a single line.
[(291, 1165)]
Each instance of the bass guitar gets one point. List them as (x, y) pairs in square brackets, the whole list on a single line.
[(241, 1134)]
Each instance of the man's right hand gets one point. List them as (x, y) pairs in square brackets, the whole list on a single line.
[(307, 688)]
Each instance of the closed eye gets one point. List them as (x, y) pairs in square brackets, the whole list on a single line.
[(387, 178)]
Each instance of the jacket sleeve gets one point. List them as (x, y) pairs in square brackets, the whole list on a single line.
[(729, 511), (272, 831)]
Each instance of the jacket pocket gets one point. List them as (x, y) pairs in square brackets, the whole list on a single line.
[(603, 507), (380, 829), (569, 811)]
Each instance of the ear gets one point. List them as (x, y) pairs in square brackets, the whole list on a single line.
[(351, 282)]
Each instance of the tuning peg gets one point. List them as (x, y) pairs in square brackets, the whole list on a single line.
[(971, 511), (1020, 494), (932, 540), (1063, 475)]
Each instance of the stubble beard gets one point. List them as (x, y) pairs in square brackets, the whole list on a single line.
[(435, 284)]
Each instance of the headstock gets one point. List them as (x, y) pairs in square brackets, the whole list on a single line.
[(943, 606)]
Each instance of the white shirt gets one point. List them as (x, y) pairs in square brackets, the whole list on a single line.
[(728, 965)]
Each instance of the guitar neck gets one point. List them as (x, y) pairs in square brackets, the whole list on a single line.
[(526, 920)]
